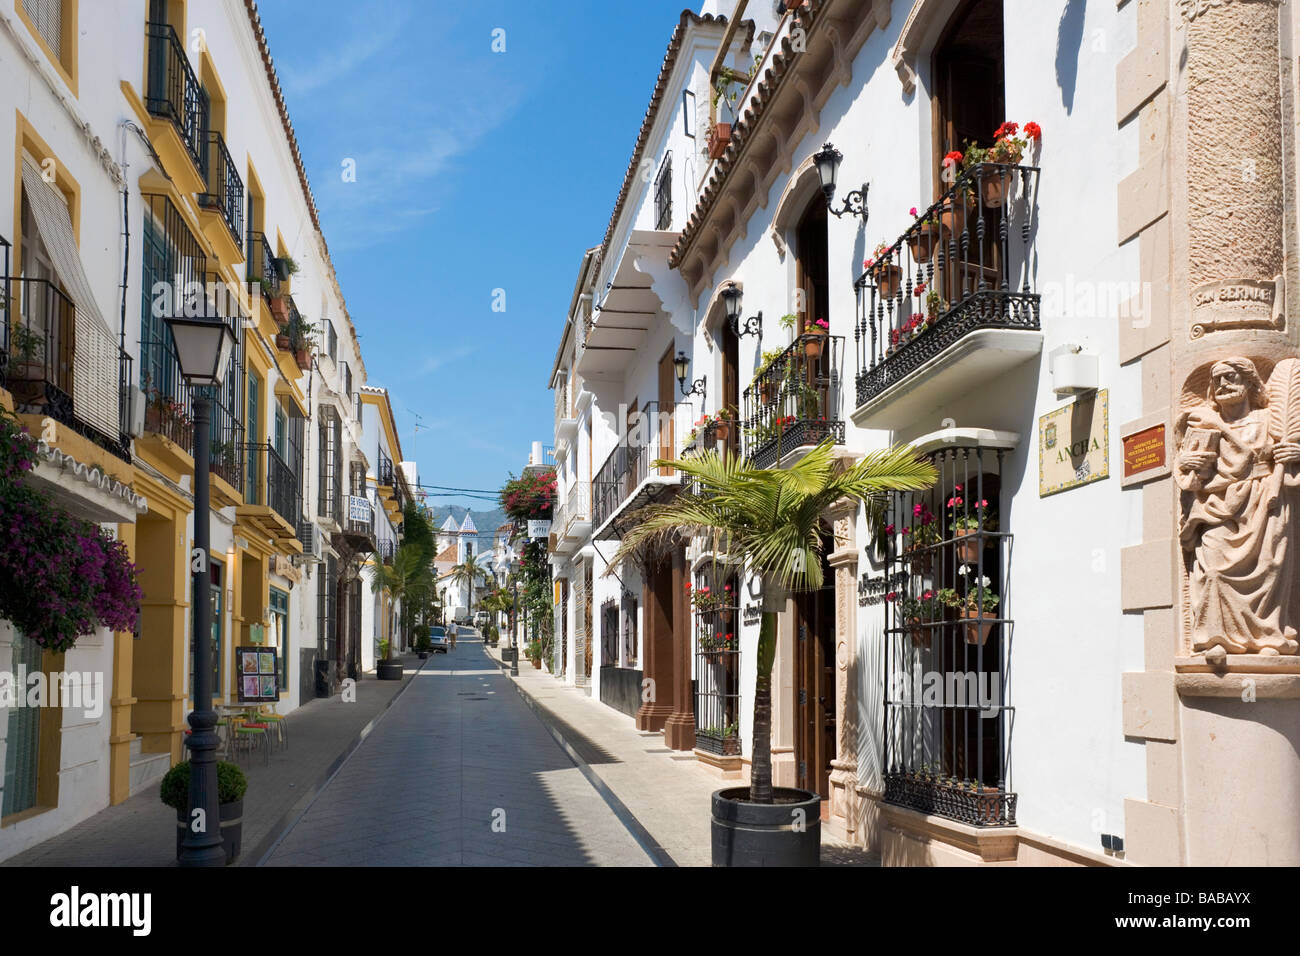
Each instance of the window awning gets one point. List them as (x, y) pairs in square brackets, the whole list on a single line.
[(56, 233)]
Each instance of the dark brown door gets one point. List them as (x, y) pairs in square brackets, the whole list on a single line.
[(814, 678), (564, 626), (634, 438), (813, 272), (731, 383)]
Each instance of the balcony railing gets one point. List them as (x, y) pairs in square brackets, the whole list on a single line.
[(69, 370), (654, 432), (272, 482), (563, 407), (360, 521), (965, 264), (225, 187), (948, 574), (796, 400), (260, 266), (717, 664), (384, 469), (174, 91)]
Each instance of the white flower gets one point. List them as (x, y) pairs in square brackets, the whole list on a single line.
[(984, 581), (964, 570)]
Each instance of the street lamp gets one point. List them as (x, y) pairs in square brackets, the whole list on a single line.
[(203, 348), (731, 297), (682, 365), (827, 160)]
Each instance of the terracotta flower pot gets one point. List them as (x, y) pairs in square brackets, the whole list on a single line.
[(968, 545), (920, 635), (924, 240), (812, 346), (303, 358), (977, 632), (921, 561), (730, 747), (721, 431), (889, 277), (282, 342), (957, 214), (766, 392), (280, 309), (995, 189), (719, 137)]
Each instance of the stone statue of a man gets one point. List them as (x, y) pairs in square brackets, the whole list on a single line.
[(1238, 529)]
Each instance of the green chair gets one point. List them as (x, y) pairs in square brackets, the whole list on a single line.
[(249, 733), (277, 723)]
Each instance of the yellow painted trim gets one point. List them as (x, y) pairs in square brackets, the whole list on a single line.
[(386, 417), (70, 41), (78, 446)]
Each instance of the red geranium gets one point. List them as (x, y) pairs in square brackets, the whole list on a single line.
[(1033, 131)]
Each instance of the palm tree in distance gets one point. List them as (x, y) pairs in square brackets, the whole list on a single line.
[(771, 519)]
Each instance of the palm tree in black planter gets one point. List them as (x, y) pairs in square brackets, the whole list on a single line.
[(401, 581), (770, 519), (231, 787)]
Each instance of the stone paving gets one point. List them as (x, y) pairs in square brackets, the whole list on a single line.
[(668, 792), (142, 831), (460, 772)]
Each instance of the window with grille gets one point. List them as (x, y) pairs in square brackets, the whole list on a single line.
[(629, 630), (47, 17), (664, 194), (326, 617), (329, 468), (609, 634)]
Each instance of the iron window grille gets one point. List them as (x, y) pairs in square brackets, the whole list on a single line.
[(330, 495), (947, 720), (628, 629), (664, 194), (716, 615), (609, 633), (260, 265), (965, 264), (327, 611), (172, 262)]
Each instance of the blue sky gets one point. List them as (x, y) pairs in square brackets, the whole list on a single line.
[(475, 171)]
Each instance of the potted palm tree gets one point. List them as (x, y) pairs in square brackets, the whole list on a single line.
[(231, 787), (403, 581), (770, 519)]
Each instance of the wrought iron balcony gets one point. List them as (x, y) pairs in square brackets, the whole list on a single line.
[(174, 91), (963, 268), (796, 400), (387, 550), (948, 611), (359, 524), (225, 186), (67, 369), (384, 470), (260, 265), (271, 481), (628, 478)]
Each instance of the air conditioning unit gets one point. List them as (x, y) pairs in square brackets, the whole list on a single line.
[(309, 535), (135, 395)]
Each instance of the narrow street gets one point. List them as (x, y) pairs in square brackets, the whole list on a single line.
[(459, 772)]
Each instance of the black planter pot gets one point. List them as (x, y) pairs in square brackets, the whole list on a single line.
[(389, 670), (785, 833), (282, 269), (424, 655), (232, 829)]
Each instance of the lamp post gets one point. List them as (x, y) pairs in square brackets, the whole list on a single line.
[(203, 348), (514, 619)]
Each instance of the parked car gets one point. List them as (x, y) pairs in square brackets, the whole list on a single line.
[(482, 619), (441, 642)]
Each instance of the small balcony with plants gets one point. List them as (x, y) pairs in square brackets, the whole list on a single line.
[(358, 524), (65, 365), (794, 401), (573, 521), (951, 303), (628, 479), (178, 106), (222, 202)]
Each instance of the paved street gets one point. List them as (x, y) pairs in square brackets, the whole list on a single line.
[(459, 772)]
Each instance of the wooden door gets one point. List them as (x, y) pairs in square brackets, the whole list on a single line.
[(731, 383), (667, 401), (633, 433), (814, 703), (813, 266)]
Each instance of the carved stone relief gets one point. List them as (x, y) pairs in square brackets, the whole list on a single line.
[(1238, 465)]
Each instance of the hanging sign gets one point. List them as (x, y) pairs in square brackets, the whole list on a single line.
[(539, 529)]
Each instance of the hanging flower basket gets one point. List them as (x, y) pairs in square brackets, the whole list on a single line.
[(995, 188), (815, 338), (721, 431)]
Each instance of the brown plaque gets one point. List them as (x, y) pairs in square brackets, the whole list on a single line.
[(1144, 450)]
